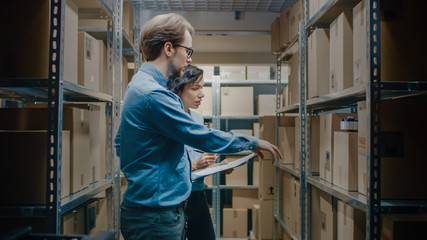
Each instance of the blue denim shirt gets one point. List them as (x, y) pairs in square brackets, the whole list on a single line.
[(150, 142)]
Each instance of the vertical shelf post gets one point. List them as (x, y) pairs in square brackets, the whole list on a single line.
[(216, 190), (54, 117), (373, 101)]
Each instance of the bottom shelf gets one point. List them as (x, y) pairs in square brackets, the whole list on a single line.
[(282, 223)]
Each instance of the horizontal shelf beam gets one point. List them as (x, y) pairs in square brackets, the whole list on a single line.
[(287, 169), (245, 82), (294, 108), (37, 90), (286, 228), (234, 187), (329, 12), (73, 200), (404, 206), (23, 211), (290, 50), (354, 199)]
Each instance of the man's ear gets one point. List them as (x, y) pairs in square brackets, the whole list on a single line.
[(168, 49)]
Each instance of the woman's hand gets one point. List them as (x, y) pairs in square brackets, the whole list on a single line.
[(204, 161), (228, 171)]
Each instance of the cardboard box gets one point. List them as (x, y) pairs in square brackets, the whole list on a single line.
[(255, 220), (235, 223), (345, 160), (96, 216), (208, 72), (242, 131), (315, 213), (88, 61), (125, 77), (208, 180), (341, 54), (255, 129), (315, 143), (328, 218), (239, 176), (258, 72), (287, 144), (26, 54), (266, 219), (267, 128), (297, 161), (403, 226), (244, 198), (28, 148), (266, 105), (287, 198), (74, 222), (360, 35), (313, 7), (329, 123), (255, 171), (362, 140), (275, 36), (105, 84), (205, 108), (285, 28), (232, 72), (266, 180), (128, 19), (237, 101), (351, 223), (318, 63), (295, 16), (285, 97), (296, 208), (293, 84)]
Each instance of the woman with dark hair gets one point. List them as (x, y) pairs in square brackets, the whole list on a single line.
[(190, 89)]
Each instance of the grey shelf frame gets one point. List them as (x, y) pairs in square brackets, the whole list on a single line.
[(373, 92), (55, 91)]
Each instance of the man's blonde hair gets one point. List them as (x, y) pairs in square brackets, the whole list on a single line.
[(161, 29)]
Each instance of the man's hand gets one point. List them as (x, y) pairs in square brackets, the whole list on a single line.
[(204, 161), (266, 146)]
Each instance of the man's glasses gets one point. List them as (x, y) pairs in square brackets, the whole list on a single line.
[(187, 49)]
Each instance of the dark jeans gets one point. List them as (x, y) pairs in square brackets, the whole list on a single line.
[(152, 223), (200, 225)]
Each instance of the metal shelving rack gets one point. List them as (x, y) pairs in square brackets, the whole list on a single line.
[(55, 91), (373, 92), (216, 117)]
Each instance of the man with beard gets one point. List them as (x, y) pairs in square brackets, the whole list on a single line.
[(153, 130)]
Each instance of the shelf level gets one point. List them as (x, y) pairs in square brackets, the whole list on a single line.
[(100, 33), (294, 108), (244, 82), (287, 169), (290, 50), (36, 90), (329, 12), (234, 187), (354, 199), (73, 200), (404, 206), (339, 99)]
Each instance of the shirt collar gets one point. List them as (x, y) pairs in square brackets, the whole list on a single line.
[(155, 73)]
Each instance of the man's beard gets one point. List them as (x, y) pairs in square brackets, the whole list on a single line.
[(175, 73)]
